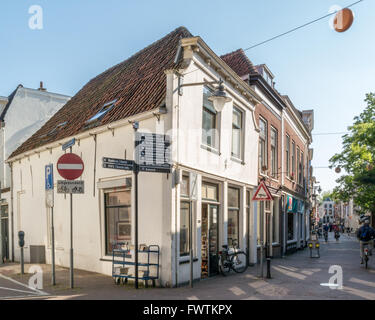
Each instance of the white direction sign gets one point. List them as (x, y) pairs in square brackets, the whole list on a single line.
[(152, 152), (70, 186)]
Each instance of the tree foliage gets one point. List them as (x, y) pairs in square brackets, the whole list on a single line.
[(358, 160)]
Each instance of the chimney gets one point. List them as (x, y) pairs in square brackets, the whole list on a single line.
[(41, 87)]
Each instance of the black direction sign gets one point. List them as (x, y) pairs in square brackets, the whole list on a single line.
[(119, 164), (153, 168)]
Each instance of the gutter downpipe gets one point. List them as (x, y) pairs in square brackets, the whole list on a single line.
[(12, 211)]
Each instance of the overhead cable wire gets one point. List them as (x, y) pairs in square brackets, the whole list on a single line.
[(300, 27)]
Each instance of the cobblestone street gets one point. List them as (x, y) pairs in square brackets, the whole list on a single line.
[(294, 277)]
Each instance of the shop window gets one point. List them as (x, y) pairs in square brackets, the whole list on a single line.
[(209, 122), (209, 192), (233, 216), (184, 186), (290, 226), (184, 228), (275, 223), (237, 133), (117, 218)]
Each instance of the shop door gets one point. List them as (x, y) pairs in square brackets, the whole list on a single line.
[(4, 233), (209, 240)]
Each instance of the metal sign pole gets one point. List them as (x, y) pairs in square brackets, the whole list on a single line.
[(71, 239), (53, 248), (261, 241), (191, 241), (136, 225)]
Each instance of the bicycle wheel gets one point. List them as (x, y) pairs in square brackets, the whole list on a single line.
[(366, 261), (239, 262), (224, 266)]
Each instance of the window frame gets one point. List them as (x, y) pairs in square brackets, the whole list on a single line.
[(241, 135), (274, 153), (235, 210), (263, 142), (105, 194), (287, 156), (208, 108), (294, 159)]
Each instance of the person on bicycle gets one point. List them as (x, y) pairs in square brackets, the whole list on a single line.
[(365, 235)]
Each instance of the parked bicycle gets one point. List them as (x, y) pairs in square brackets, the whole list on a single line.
[(232, 258)]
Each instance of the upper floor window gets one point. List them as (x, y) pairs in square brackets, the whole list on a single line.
[(287, 155), (237, 133), (262, 145), (274, 152), (293, 159), (209, 123), (298, 178), (302, 171)]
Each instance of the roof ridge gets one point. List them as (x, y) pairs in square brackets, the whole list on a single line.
[(138, 82)]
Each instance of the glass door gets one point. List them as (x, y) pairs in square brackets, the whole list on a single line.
[(209, 240), (4, 233), (213, 240)]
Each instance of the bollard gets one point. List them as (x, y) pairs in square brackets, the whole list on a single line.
[(268, 268)]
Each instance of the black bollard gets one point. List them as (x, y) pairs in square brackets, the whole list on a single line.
[(268, 268)]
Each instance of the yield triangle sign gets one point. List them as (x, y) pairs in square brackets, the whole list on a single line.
[(262, 193)]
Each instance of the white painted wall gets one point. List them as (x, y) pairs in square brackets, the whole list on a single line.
[(158, 198), (28, 111)]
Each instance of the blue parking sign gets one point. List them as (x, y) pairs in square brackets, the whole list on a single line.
[(49, 176)]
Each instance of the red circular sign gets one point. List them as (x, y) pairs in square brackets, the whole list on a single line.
[(70, 166)]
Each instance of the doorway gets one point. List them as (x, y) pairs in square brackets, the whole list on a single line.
[(4, 233), (209, 240)]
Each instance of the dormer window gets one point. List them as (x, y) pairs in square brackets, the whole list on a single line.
[(268, 78), (103, 111)]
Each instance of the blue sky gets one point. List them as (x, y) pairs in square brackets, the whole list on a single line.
[(316, 66)]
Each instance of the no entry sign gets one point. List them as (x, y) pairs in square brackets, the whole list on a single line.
[(70, 166)]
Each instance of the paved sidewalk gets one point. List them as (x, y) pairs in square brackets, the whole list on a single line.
[(294, 277)]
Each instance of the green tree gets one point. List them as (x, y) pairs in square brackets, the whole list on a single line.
[(357, 159)]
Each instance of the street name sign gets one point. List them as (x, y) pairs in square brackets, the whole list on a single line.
[(119, 164), (262, 193), (69, 144), (74, 187), (70, 166)]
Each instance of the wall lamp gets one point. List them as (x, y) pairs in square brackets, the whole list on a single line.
[(219, 98)]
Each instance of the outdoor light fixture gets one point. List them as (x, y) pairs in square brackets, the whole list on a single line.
[(219, 98)]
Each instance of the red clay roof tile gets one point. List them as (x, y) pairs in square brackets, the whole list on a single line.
[(138, 84)]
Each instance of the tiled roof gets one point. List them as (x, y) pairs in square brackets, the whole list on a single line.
[(138, 84), (239, 62)]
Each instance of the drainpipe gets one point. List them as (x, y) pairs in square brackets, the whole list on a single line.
[(11, 204)]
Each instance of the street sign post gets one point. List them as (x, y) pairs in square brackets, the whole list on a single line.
[(68, 144), (152, 154), (70, 166), (263, 194), (50, 203)]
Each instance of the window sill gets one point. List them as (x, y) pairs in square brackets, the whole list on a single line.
[(238, 160), (211, 149), (291, 241)]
